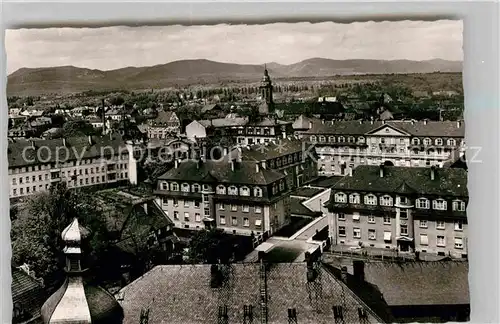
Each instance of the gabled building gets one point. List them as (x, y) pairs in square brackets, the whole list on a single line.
[(164, 125), (408, 209), (343, 145), (212, 111), (28, 296), (240, 197)]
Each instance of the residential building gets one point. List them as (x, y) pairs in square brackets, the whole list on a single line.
[(408, 209), (240, 130), (343, 145), (410, 292), (286, 155), (212, 111), (81, 161), (164, 125), (240, 197), (303, 124), (261, 292), (28, 295)]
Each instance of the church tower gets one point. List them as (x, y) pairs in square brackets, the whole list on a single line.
[(266, 91)]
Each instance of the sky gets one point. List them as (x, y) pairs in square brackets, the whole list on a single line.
[(111, 48)]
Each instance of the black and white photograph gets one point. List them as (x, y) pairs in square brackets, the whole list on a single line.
[(284, 173)]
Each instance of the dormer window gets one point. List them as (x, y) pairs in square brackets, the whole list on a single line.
[(185, 187), (174, 186), (341, 139), (423, 203), (340, 197), (244, 191), (370, 199), (196, 187), (322, 139), (458, 205), (354, 198), (221, 190), (386, 200), (164, 186), (257, 192), (451, 142), (361, 139), (351, 139), (415, 141), (331, 139), (312, 138), (427, 141), (232, 190), (282, 185), (439, 204), (439, 141)]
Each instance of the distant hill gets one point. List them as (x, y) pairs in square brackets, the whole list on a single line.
[(67, 79)]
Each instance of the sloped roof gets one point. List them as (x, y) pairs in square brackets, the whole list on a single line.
[(306, 192), (271, 150), (209, 108), (420, 283), (223, 122), (447, 182), (182, 294), (27, 292), (297, 208), (419, 128), (164, 117)]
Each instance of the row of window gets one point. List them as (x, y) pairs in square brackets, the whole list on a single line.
[(220, 189), (41, 167), (458, 225), (381, 140), (220, 206), (386, 200), (234, 221)]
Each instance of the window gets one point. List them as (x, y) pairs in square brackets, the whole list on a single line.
[(423, 203), (439, 204), (387, 236), (186, 216), (234, 221), (244, 191), (321, 138), (341, 139), (459, 243), (370, 200), (439, 141), (440, 241), (424, 240), (196, 187), (372, 235), (176, 215), (356, 232), (196, 204), (342, 231), (387, 220), (234, 207), (331, 139), (246, 222), (221, 190), (197, 217), (220, 206), (245, 208), (451, 142), (458, 205), (458, 226), (341, 216), (174, 186), (427, 141), (257, 209), (15, 192), (351, 139), (354, 199), (386, 201), (176, 203), (222, 220), (186, 203), (258, 222), (371, 219), (440, 225), (415, 141), (403, 213), (404, 230), (355, 216), (423, 224), (185, 187), (312, 138), (232, 190), (165, 201), (401, 141), (340, 197)]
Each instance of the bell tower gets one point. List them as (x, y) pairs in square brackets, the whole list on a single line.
[(266, 91)]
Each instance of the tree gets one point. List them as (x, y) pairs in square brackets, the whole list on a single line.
[(36, 230), (210, 246), (77, 128)]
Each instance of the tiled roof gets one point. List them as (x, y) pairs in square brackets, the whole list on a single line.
[(209, 108), (325, 182), (447, 182), (183, 294), (281, 147), (27, 292), (164, 117), (76, 147), (306, 192), (221, 172), (297, 208), (224, 122), (420, 283), (419, 128)]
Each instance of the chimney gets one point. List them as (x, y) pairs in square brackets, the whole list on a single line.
[(322, 121), (383, 122), (90, 140), (350, 172), (64, 141), (310, 124), (413, 122), (359, 269), (257, 167), (382, 171), (33, 144), (232, 164), (284, 135), (425, 121), (263, 164), (343, 274), (459, 124), (176, 163), (225, 151), (361, 122), (371, 121), (433, 172)]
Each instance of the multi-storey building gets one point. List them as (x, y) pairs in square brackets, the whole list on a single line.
[(240, 129), (409, 209), (82, 161), (286, 155), (241, 197), (164, 125), (343, 145)]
